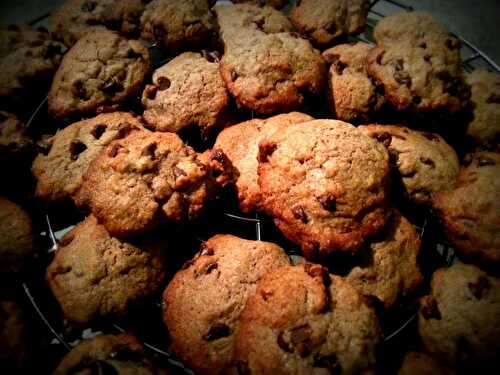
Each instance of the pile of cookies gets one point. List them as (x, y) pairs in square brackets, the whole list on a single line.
[(342, 145)]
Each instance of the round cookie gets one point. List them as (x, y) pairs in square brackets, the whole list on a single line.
[(353, 96), (107, 354), (77, 17), (416, 363), (278, 4), (94, 275), (60, 172), (240, 143), (14, 337), (325, 22), (301, 320), (17, 245), (425, 163), (470, 212), (203, 302), (178, 24), (147, 179), (187, 91), (393, 270), (101, 71), (325, 184), (458, 321), (13, 137), (485, 89)]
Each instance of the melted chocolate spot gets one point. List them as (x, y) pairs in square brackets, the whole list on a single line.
[(216, 332), (328, 202), (329, 361), (265, 150), (480, 287), (283, 344), (430, 309), (299, 213), (76, 148), (98, 131), (149, 150), (427, 161), (163, 83)]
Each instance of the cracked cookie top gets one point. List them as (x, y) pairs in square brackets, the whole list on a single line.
[(100, 72), (325, 184)]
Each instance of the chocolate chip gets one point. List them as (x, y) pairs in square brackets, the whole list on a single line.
[(398, 65), (178, 172), (299, 213), (428, 162), (98, 131), (394, 156), (266, 149), (485, 161), (283, 344), (430, 309), (124, 129), (67, 239), (423, 45), (300, 338), (453, 43), (88, 6), (163, 83), (242, 368), (493, 98), (321, 272), (260, 23), (113, 149), (430, 136), (328, 202), (205, 250), (427, 58), (61, 270), (332, 58), (149, 150), (328, 361), (76, 148), (402, 78), (265, 294), (480, 287), (339, 67), (331, 28), (216, 332), (111, 86), (150, 91), (78, 89), (384, 138), (298, 3)]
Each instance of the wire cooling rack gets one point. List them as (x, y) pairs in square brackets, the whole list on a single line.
[(472, 58)]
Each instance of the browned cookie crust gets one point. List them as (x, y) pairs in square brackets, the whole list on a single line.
[(424, 161), (278, 4), (60, 172), (267, 69), (325, 184), (301, 320), (13, 137), (241, 145), (325, 22), (471, 212), (187, 91), (176, 24), (76, 18), (416, 363), (202, 304), (106, 354), (16, 237), (485, 88), (94, 275), (393, 270), (145, 180), (102, 70), (14, 337), (353, 96), (458, 321)]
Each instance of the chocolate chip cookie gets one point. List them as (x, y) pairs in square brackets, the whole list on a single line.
[(60, 172), (470, 212), (17, 245), (241, 145), (76, 18), (424, 162), (353, 96), (266, 70), (94, 275), (485, 89), (203, 302), (101, 71), (325, 184), (187, 91), (391, 269), (14, 337), (178, 24), (145, 180), (458, 321), (278, 4), (417, 363), (325, 22), (107, 354), (14, 139), (301, 320)]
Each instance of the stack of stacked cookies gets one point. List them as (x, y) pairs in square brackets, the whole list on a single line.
[(338, 144)]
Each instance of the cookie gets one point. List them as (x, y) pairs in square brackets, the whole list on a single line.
[(420, 75), (301, 320), (94, 275), (14, 139), (101, 71), (416, 363), (353, 96), (60, 172), (325, 22), (325, 184), (458, 321), (226, 270), (425, 164), (28, 60), (265, 70), (470, 212), (485, 94), (76, 18), (278, 4), (178, 24), (14, 337), (145, 180), (17, 244), (240, 143), (107, 354), (392, 270), (187, 91)]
